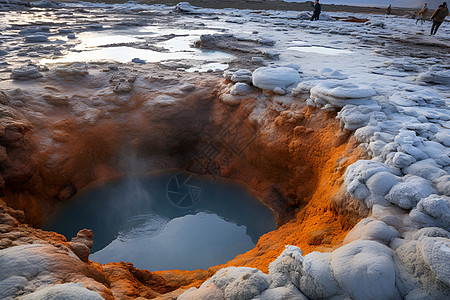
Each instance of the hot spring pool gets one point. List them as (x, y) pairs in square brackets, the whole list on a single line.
[(167, 221)]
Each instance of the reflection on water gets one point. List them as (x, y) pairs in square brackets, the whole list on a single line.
[(126, 54), (140, 220), (90, 41), (190, 242), (209, 67), (320, 50), (103, 46)]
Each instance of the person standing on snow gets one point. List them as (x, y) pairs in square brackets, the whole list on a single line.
[(438, 17), (316, 12), (389, 8), (422, 14)]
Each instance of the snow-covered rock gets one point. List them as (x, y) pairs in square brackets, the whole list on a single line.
[(327, 275), (66, 291), (443, 185), (266, 41), (26, 73), (353, 117), (365, 270), (418, 96), (426, 168), (332, 74), (242, 75), (304, 15), (267, 78), (235, 283), (410, 191), (443, 138), (339, 93), (311, 274), (435, 76), (33, 270), (241, 89), (357, 177), (371, 229), (376, 23), (425, 266), (433, 210), (304, 87), (281, 293), (186, 7), (71, 72)]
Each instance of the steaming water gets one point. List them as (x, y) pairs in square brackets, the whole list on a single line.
[(167, 221)]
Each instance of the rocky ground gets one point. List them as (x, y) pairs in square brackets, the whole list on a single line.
[(274, 5), (339, 126)]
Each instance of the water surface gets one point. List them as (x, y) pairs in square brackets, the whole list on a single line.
[(168, 221)]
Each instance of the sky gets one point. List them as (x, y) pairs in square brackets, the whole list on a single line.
[(381, 3)]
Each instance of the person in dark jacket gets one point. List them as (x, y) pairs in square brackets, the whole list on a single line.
[(438, 17), (316, 12), (389, 8)]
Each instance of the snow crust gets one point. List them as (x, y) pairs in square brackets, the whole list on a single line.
[(402, 125), (66, 291), (35, 271), (281, 78)]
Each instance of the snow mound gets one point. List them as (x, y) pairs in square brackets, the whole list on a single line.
[(34, 269), (408, 193), (304, 15), (236, 283), (66, 291), (433, 210), (353, 117), (358, 270), (241, 75), (371, 229), (186, 7), (338, 94), (417, 97), (426, 265), (267, 78), (332, 74), (365, 270), (361, 185)]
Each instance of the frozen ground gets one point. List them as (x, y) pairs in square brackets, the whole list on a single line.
[(387, 78)]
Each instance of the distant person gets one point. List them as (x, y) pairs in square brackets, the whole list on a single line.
[(422, 14), (316, 12), (389, 9), (438, 17)]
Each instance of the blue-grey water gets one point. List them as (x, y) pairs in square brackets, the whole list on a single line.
[(167, 221)]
